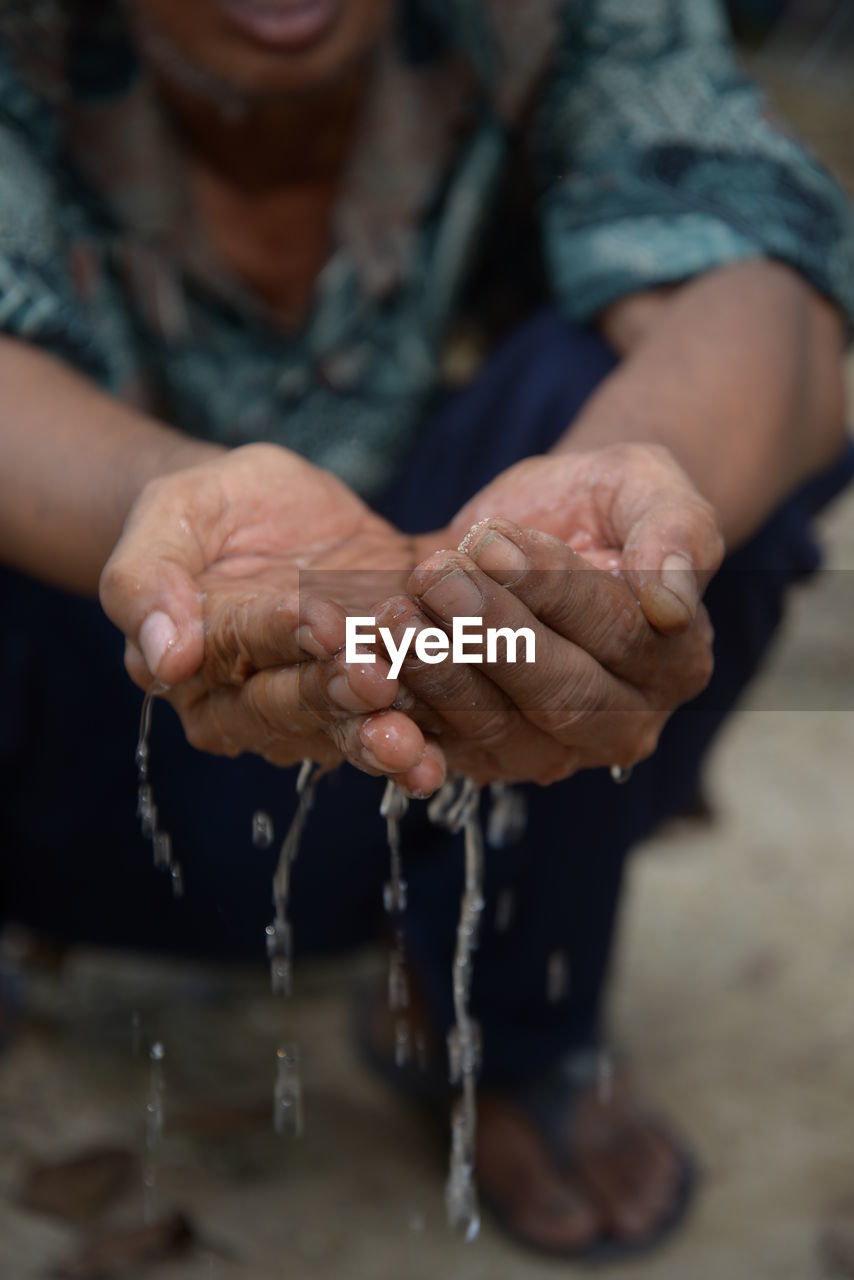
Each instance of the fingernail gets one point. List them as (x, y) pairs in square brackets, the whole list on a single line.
[(342, 695), (378, 734), (495, 553), (454, 595), (156, 635), (678, 577), (377, 730)]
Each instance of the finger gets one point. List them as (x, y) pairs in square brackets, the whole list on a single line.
[(246, 631), (492, 735), (595, 609), (262, 716), (149, 588), (137, 667), (297, 700), (336, 689), (428, 775), (389, 743), (671, 537), (268, 716), (563, 688)]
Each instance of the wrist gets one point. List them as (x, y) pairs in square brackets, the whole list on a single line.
[(158, 451), (164, 450)]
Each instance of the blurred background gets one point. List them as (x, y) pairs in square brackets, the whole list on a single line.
[(732, 996)]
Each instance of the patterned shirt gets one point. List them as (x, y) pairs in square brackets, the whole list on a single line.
[(636, 151)]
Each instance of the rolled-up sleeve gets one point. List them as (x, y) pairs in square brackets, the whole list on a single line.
[(659, 160)]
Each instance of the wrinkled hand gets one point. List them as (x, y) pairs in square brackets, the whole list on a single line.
[(604, 681), (628, 507), (204, 584), (616, 654)]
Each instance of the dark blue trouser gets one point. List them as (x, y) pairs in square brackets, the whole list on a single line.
[(74, 864)]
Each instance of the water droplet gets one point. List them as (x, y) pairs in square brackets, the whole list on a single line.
[(621, 775), (287, 1093), (262, 830), (508, 816)]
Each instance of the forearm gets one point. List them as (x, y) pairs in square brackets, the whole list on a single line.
[(739, 374), (72, 462)]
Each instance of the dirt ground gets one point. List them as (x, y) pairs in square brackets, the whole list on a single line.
[(732, 998)]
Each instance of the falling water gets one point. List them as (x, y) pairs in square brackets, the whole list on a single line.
[(153, 1128), (278, 933), (263, 833), (459, 809), (287, 1090), (146, 809), (621, 775), (508, 816), (393, 807)]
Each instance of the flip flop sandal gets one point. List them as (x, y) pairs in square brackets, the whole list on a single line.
[(544, 1101)]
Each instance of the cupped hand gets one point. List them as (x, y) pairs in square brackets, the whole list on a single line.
[(204, 583), (604, 680), (628, 507)]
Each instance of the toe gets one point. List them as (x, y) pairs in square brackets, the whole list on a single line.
[(541, 1204), (628, 1167)]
